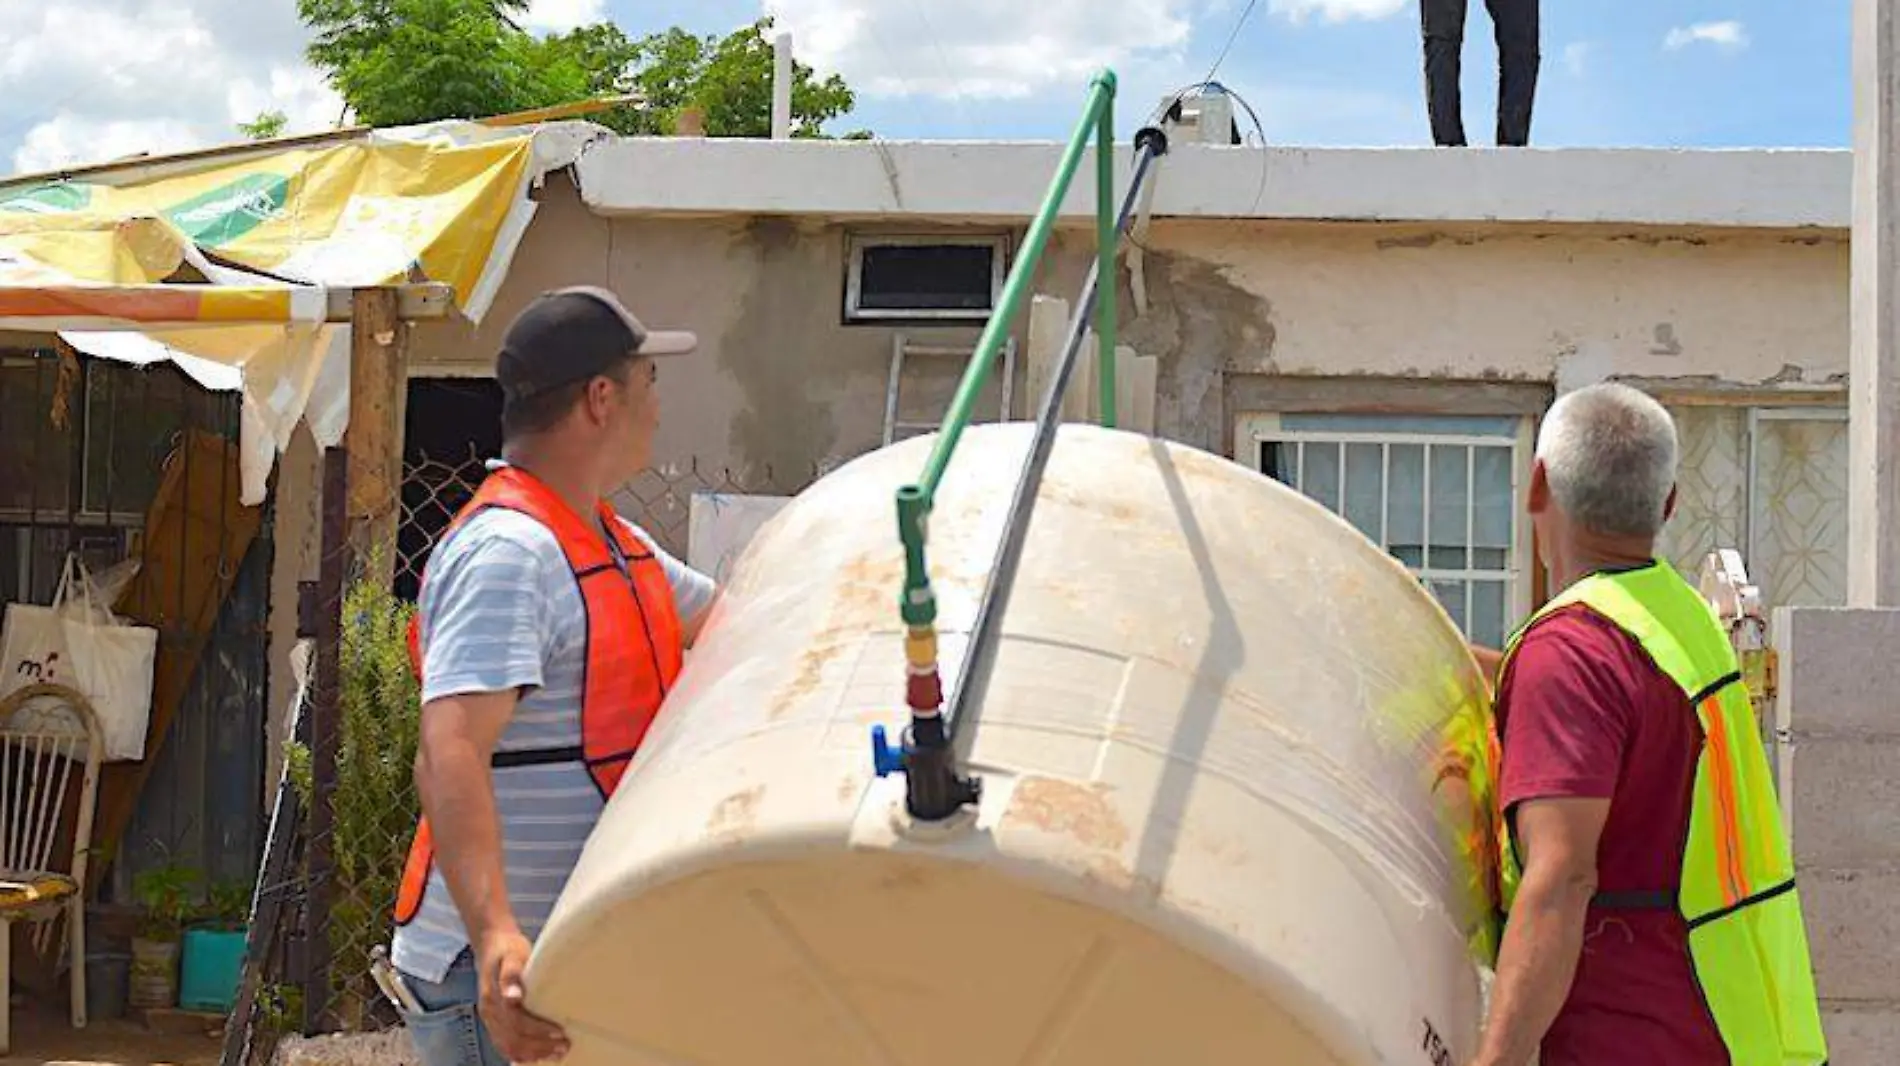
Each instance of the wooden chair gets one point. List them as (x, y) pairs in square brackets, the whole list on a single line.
[(46, 732)]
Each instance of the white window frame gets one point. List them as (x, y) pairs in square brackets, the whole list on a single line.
[(1753, 517), (998, 243), (1257, 430)]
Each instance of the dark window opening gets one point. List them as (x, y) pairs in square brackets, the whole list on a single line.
[(452, 427), (88, 443), (898, 279)]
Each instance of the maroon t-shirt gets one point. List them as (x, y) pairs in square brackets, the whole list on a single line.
[(1586, 714)]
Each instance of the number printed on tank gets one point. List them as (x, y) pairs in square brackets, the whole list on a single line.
[(1435, 1050)]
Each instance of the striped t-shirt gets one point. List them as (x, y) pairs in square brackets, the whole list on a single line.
[(500, 611)]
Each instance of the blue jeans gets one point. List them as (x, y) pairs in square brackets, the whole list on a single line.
[(449, 1032)]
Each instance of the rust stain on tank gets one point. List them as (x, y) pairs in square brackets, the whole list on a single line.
[(866, 590), (736, 814), (1073, 496), (811, 670), (1109, 871), (1080, 812), (849, 788)]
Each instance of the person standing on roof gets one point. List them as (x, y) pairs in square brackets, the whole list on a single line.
[(1651, 917), (549, 631), (1515, 24)]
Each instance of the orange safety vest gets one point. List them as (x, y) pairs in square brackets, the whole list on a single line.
[(634, 646)]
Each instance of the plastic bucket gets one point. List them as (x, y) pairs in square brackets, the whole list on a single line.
[(154, 973), (213, 964), (108, 977)]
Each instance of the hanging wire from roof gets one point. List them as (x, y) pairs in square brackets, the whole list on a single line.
[(936, 42), (1233, 36)]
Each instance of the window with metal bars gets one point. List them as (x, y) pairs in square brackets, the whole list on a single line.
[(1440, 493)]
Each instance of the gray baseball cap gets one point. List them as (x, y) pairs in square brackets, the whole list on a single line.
[(573, 333)]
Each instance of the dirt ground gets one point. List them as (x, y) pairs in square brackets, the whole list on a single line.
[(44, 1038)]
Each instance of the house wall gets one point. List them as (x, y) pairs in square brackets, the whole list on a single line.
[(1244, 317), (298, 515), (780, 379)]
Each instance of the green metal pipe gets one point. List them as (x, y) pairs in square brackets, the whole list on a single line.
[(1107, 239), (918, 604), (1021, 279)]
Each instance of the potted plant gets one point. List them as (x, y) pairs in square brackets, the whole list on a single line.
[(165, 895), (213, 956)]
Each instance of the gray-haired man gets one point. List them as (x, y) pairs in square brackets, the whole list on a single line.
[(1634, 796)]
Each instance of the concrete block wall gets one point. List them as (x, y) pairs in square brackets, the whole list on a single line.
[(1838, 717)]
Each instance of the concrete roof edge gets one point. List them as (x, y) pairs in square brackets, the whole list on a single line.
[(1721, 188)]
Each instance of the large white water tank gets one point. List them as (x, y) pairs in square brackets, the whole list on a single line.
[(1223, 818)]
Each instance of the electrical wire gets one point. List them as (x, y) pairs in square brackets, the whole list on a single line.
[(1259, 129), (1239, 23), (936, 42)]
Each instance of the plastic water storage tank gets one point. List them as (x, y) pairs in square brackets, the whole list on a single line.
[(1223, 818)]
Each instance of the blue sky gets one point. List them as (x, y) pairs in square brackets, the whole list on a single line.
[(1610, 75), (87, 80)]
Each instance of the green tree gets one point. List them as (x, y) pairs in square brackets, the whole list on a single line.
[(265, 126), (729, 79), (398, 62)]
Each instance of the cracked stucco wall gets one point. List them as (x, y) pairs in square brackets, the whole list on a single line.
[(779, 382), (1564, 307), (782, 382)]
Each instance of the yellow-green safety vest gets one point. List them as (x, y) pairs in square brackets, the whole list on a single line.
[(1747, 943)]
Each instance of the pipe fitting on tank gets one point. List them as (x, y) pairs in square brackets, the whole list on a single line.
[(934, 790)]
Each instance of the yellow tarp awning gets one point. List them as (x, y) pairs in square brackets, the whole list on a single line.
[(224, 264)]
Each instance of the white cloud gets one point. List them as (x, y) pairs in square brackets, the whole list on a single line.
[(1728, 34), (1338, 10), (994, 49), (94, 80), (68, 139), (560, 16), (1576, 57)]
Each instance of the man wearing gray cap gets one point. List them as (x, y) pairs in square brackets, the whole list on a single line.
[(549, 630)]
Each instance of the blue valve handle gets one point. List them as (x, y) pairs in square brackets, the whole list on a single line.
[(887, 760)]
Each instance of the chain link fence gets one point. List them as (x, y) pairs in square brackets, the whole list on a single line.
[(658, 501), (374, 805)]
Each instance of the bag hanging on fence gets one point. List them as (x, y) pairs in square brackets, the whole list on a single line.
[(78, 642)]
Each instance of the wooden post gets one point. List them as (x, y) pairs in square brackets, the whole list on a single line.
[(379, 385), (1873, 509), (325, 736), (362, 485)]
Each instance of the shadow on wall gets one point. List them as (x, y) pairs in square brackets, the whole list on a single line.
[(788, 290)]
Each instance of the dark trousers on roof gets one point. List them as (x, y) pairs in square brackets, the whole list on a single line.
[(1515, 24)]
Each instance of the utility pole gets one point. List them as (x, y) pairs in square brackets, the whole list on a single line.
[(1874, 401), (782, 78)]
